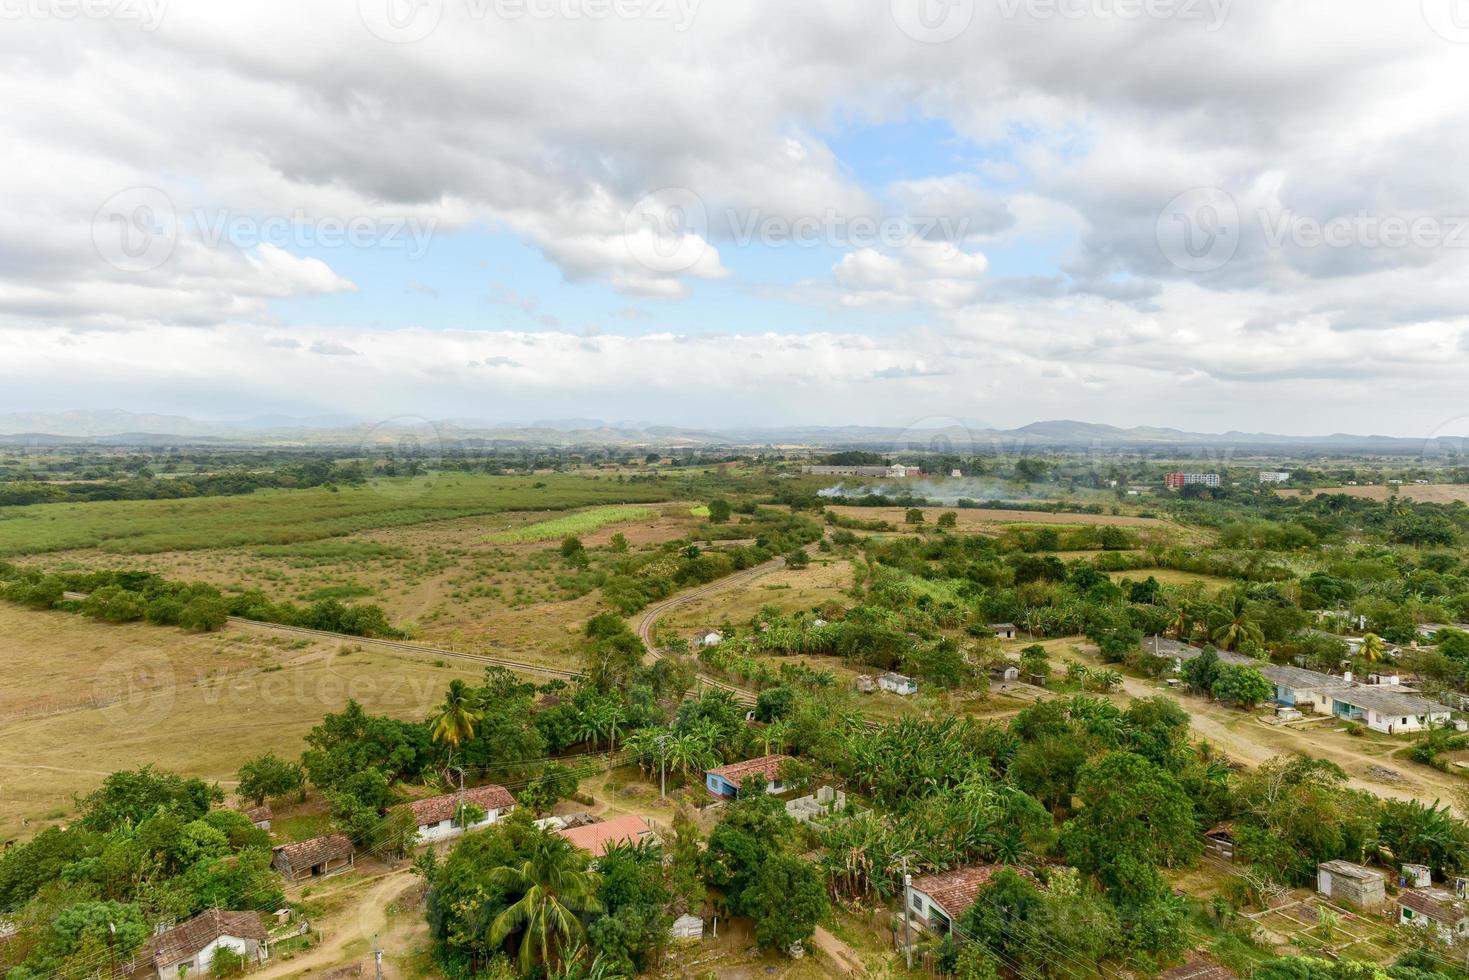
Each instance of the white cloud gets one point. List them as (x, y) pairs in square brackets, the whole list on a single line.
[(1073, 136)]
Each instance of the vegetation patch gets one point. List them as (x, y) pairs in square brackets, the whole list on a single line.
[(582, 522)]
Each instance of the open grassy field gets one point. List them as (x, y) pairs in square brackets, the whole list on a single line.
[(275, 517), (442, 577), (981, 518), (788, 590), (1171, 576), (83, 699), (1431, 493), (579, 522)]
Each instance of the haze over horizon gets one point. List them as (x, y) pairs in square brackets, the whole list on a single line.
[(1209, 216)]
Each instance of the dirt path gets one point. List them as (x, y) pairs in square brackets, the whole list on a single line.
[(361, 920), (1252, 742), (649, 617), (844, 957)]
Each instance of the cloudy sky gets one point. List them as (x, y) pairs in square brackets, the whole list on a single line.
[(1210, 214)]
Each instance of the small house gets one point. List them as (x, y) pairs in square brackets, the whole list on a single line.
[(937, 901), (897, 683), (686, 926), (864, 684), (711, 638), (1416, 876), (189, 949), (725, 782), (1344, 881), (1002, 631), (1219, 842), (597, 838), (1447, 919), (260, 816), (440, 817), (1389, 711), (1005, 672), (314, 858), (1304, 690)]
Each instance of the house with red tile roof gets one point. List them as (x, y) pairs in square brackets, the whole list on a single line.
[(438, 817), (935, 901), (596, 838), (314, 858), (725, 782)]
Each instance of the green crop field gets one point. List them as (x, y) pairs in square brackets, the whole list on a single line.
[(283, 517), (583, 522)]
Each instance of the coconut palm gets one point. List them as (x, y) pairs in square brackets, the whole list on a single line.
[(1238, 628), (554, 890), (457, 717), (1373, 648), (1182, 625)]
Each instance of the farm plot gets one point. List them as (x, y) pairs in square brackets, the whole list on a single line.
[(274, 517), (578, 523)]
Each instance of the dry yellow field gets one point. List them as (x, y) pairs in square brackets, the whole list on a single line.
[(442, 578), (1430, 493), (977, 518), (83, 699)]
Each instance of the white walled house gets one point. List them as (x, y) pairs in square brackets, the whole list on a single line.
[(897, 683), (189, 949), (437, 817), (1388, 711)]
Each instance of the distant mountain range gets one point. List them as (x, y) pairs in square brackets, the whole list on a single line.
[(117, 428)]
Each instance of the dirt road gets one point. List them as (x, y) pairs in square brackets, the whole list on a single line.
[(363, 919), (1251, 741)]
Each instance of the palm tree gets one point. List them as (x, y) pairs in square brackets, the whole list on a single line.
[(1373, 649), (1239, 628), (555, 889), (1182, 626), (457, 717)]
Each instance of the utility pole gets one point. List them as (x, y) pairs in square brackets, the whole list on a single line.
[(662, 768), (907, 908), (377, 956), (458, 802)]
